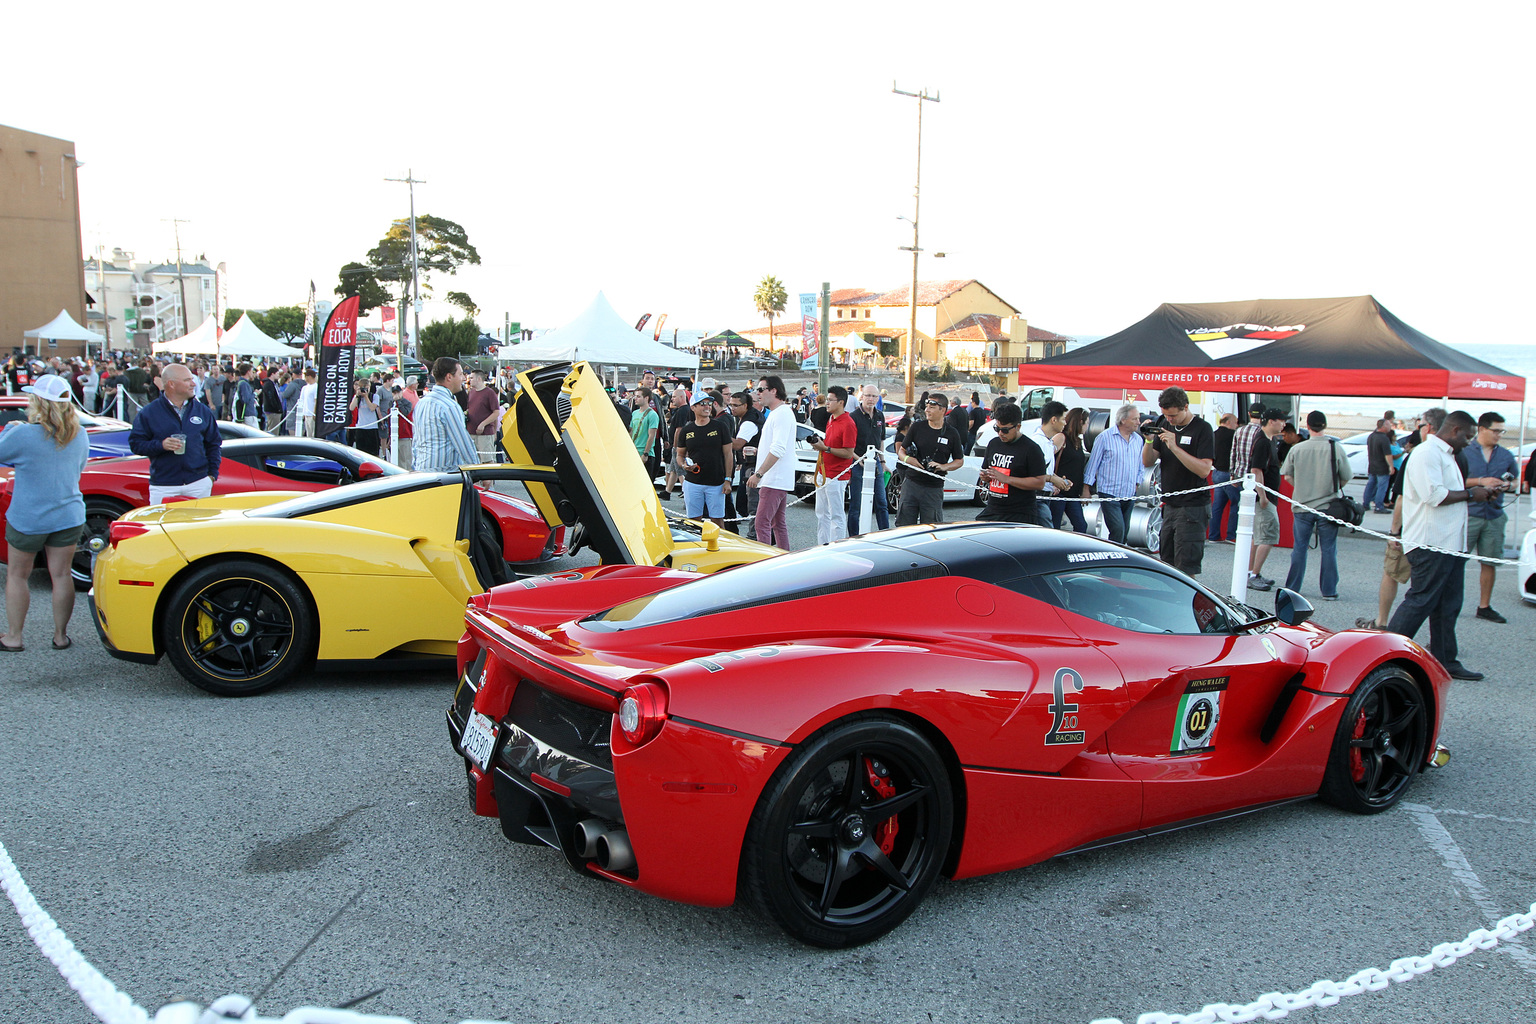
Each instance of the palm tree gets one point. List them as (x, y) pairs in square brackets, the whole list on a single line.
[(769, 300)]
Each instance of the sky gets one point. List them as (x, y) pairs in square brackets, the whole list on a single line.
[(1085, 161)]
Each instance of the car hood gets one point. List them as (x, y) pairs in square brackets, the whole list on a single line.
[(564, 420)]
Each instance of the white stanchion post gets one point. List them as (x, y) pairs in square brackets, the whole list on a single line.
[(121, 398), (394, 431), (867, 492), (1242, 548)]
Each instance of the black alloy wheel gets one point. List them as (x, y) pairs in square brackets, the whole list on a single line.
[(851, 833), (893, 494), (1380, 744), (99, 516), (238, 628)]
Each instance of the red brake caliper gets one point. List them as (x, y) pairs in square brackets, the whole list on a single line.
[(1356, 762), (880, 781)]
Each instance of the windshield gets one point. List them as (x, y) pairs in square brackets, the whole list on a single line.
[(810, 573)]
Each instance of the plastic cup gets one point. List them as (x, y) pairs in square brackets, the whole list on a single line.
[(181, 443)]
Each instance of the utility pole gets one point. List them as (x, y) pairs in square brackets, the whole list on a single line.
[(917, 188), (181, 282), (106, 307), (826, 338), (411, 181)]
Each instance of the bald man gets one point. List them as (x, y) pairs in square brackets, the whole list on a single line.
[(180, 437)]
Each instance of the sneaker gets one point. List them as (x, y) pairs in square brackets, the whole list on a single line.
[(1262, 579), (1491, 615), (1259, 583), (1330, 597), (665, 495), (1364, 623)]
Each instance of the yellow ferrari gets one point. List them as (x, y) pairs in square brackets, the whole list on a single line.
[(242, 591)]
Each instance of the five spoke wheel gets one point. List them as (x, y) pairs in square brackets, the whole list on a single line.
[(237, 628), (851, 834), (1380, 744)]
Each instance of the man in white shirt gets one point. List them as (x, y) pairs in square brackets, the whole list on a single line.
[(1435, 516), (307, 404), (775, 476), (1047, 436)]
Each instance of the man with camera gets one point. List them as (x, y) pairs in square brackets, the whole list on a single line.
[(929, 449), (1185, 447)]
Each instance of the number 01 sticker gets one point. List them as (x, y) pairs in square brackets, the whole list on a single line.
[(1199, 712)]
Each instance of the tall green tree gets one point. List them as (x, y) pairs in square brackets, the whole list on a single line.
[(283, 319), (442, 246), (359, 279), (449, 337), (769, 300)]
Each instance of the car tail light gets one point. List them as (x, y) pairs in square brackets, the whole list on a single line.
[(121, 530), (642, 710)]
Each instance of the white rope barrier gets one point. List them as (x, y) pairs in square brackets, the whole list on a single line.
[(1274, 1005)]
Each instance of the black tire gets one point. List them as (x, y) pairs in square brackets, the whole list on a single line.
[(979, 499), (815, 815), (893, 494), (1380, 744), (238, 628), (99, 514)]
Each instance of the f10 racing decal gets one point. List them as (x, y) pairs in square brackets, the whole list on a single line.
[(1194, 730), (534, 581), (1063, 712)]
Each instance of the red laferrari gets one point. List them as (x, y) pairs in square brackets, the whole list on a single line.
[(113, 486), (826, 732)]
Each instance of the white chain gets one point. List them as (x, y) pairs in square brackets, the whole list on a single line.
[(1274, 1005), (99, 994)]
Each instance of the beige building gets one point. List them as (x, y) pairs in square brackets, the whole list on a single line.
[(40, 271), (962, 322), (147, 297)]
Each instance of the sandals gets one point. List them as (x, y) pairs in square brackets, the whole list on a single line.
[(66, 645), (8, 649)]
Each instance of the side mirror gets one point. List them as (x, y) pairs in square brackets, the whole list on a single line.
[(1291, 608), (369, 470), (711, 534)]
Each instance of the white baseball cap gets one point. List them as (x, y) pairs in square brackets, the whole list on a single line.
[(50, 386)]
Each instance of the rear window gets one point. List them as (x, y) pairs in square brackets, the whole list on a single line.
[(811, 573)]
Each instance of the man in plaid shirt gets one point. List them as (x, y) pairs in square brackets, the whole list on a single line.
[(1253, 453), (442, 442)]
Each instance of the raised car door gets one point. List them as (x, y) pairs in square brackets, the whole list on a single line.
[(1200, 691)]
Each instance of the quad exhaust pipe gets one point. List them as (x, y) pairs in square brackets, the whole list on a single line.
[(609, 847)]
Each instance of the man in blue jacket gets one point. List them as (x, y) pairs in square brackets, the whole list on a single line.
[(180, 437)]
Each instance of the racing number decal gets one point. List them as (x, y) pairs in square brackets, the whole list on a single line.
[(1064, 714), (1194, 730)]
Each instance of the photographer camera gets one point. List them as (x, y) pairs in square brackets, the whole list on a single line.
[(1185, 446), (929, 446)]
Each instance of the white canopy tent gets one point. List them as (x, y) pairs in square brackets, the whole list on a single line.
[(246, 339), (62, 328), (599, 335), (203, 341)]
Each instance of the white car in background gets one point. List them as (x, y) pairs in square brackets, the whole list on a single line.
[(1525, 575)]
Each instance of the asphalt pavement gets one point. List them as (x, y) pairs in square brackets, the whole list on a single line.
[(192, 845)]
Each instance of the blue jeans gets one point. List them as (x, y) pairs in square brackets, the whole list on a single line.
[(1376, 486), (877, 505), (1073, 510), (1117, 516), (1223, 498), (1302, 525)]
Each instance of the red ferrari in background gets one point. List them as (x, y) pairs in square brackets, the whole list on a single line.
[(826, 732), (113, 486)]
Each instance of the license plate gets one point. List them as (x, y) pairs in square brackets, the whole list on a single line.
[(479, 739)]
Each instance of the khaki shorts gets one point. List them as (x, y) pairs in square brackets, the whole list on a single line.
[(1486, 536), (1395, 564), (1266, 524), (35, 542)]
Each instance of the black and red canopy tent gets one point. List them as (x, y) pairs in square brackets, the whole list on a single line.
[(1343, 346)]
